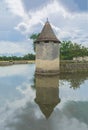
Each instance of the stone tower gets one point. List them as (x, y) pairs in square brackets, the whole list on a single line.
[(47, 52)]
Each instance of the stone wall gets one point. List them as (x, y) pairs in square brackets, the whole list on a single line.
[(47, 51), (71, 66), (47, 57)]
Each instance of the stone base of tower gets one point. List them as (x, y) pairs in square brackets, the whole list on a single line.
[(47, 67), (47, 72)]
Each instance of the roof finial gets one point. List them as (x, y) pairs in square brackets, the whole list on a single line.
[(47, 20)]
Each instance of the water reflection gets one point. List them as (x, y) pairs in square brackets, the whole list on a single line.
[(25, 99), (75, 79), (47, 93)]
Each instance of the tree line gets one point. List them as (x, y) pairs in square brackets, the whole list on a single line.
[(12, 58)]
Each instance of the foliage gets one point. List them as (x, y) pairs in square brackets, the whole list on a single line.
[(68, 50), (11, 58), (34, 37), (29, 57)]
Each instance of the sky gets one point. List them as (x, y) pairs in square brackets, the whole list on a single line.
[(21, 18)]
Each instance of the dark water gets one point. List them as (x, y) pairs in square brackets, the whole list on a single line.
[(29, 102)]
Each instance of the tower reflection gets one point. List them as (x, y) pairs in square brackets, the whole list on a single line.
[(47, 93)]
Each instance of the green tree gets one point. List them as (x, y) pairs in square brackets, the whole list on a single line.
[(68, 50), (34, 36), (29, 57)]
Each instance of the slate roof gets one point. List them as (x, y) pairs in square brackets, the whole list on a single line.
[(47, 34)]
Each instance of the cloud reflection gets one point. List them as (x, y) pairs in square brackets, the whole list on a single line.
[(22, 113)]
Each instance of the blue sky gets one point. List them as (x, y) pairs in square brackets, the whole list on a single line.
[(20, 18)]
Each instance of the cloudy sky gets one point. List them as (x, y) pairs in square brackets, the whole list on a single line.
[(20, 18)]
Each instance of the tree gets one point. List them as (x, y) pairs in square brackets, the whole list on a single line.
[(34, 37), (68, 50), (29, 57)]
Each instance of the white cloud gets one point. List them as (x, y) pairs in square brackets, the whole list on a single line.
[(37, 16), (64, 22), (17, 8), (7, 47)]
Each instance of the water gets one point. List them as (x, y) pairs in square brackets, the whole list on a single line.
[(29, 102)]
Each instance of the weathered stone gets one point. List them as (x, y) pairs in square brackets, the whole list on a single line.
[(47, 52), (69, 67)]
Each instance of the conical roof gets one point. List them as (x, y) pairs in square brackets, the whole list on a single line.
[(47, 34)]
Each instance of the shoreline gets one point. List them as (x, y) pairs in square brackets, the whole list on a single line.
[(7, 63), (65, 66)]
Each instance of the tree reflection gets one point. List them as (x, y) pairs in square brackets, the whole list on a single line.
[(75, 79)]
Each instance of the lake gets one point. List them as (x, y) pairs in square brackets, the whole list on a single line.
[(31, 102)]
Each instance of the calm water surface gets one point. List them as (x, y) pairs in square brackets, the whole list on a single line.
[(29, 102)]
